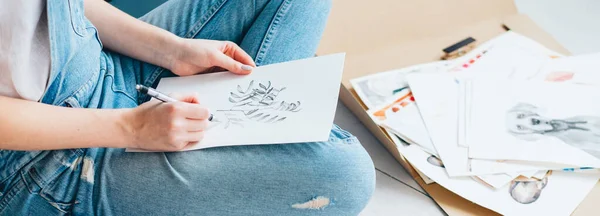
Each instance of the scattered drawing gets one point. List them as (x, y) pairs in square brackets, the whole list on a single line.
[(433, 160), (258, 103), (527, 190), (559, 76), (525, 122)]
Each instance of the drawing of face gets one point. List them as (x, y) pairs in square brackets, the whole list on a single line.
[(524, 122), (433, 160), (527, 190)]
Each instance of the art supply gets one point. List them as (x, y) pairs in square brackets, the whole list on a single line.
[(289, 102), (162, 97)]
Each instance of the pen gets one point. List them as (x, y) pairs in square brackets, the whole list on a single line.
[(160, 96)]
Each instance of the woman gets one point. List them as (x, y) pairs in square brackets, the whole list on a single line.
[(63, 58)]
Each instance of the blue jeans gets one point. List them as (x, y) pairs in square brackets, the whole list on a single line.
[(335, 177)]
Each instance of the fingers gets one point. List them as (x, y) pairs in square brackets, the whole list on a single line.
[(195, 111), (224, 61), (241, 56), (194, 137), (188, 98), (196, 125)]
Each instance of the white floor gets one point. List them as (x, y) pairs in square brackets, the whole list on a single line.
[(573, 23)]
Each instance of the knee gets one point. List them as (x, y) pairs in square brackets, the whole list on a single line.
[(347, 172)]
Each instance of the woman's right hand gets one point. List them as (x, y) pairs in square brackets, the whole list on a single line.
[(161, 126)]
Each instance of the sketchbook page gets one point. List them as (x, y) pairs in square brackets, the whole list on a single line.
[(291, 102), (409, 123), (382, 112), (558, 193), (580, 69), (379, 88), (435, 96), (536, 121), (400, 144), (524, 47), (494, 180)]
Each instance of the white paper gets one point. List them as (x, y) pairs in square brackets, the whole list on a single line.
[(580, 69), (559, 193), (436, 99), (378, 89), (289, 102), (409, 124), (536, 121)]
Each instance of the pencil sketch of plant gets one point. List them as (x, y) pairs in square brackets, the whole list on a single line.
[(258, 103)]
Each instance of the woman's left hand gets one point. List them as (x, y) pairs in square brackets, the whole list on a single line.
[(195, 56)]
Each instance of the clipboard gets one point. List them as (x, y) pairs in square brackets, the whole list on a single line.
[(382, 35)]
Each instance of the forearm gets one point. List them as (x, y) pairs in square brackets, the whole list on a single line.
[(124, 34), (26, 125)]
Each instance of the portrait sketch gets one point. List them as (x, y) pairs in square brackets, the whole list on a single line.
[(527, 122)]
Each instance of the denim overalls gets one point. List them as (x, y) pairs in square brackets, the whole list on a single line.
[(241, 180)]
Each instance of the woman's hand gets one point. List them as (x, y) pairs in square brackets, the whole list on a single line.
[(194, 56), (167, 126)]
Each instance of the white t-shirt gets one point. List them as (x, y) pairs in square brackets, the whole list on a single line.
[(24, 49)]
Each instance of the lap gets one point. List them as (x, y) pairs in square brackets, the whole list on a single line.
[(240, 180)]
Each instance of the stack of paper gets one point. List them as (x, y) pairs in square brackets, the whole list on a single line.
[(512, 125)]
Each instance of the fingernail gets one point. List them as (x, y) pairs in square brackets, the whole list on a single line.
[(246, 67)]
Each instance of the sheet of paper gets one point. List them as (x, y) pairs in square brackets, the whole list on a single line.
[(494, 180), (402, 144), (379, 88), (536, 121), (435, 96), (558, 193), (382, 112), (409, 124), (289, 102), (580, 69)]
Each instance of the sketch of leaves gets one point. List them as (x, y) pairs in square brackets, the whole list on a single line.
[(250, 85), (281, 105), (232, 101), (269, 91), (239, 88), (281, 119), (251, 111), (256, 116), (264, 117), (271, 119), (280, 90), (269, 86), (242, 104), (262, 86), (290, 107), (260, 91), (234, 95)]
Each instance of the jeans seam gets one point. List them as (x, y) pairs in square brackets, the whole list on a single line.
[(271, 31), (112, 87), (11, 194), (202, 21)]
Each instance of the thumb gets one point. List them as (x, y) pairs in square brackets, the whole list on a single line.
[(232, 65)]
